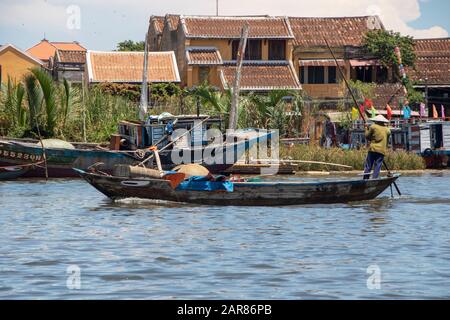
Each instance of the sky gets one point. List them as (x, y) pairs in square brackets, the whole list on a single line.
[(101, 24)]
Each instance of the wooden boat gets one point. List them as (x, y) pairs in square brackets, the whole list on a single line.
[(61, 159), (9, 173), (243, 193)]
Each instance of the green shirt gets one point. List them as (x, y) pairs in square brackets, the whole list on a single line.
[(378, 136)]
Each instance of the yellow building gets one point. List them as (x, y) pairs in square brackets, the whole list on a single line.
[(15, 63), (206, 49)]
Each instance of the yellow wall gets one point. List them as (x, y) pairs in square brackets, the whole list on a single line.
[(334, 90), (15, 65), (194, 76)]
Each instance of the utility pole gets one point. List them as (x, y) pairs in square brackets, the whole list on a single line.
[(237, 78), (217, 8)]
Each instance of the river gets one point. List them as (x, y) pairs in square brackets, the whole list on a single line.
[(62, 239)]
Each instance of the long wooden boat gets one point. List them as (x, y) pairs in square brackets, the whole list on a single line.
[(8, 173), (61, 160), (243, 193)]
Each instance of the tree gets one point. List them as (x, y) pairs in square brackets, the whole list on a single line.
[(130, 45), (382, 43)]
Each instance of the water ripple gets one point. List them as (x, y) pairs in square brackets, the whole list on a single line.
[(157, 250)]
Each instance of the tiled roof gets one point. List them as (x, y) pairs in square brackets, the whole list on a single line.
[(321, 63), (388, 93), (71, 56), (230, 27), (46, 49), (159, 23), (127, 67), (203, 56), (432, 47), (345, 31), (173, 20), (261, 76), (21, 52), (433, 61)]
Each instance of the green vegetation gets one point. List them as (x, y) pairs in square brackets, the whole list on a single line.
[(396, 160), (130, 45), (382, 44), (61, 110)]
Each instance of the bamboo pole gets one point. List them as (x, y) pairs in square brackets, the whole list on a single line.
[(237, 78), (143, 105), (312, 162), (44, 154)]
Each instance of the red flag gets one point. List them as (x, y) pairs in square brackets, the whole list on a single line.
[(363, 110), (389, 112), (368, 103)]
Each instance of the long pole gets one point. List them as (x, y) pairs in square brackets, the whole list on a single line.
[(237, 78), (44, 154), (143, 106), (356, 103)]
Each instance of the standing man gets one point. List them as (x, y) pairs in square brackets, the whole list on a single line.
[(378, 137), (330, 133)]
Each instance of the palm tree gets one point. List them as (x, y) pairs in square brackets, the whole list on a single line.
[(34, 99), (14, 103), (49, 93)]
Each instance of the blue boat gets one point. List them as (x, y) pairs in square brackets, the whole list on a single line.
[(131, 147)]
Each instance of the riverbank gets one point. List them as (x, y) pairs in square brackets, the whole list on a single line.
[(355, 158)]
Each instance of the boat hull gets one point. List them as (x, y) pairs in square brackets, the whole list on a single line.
[(244, 193), (61, 161)]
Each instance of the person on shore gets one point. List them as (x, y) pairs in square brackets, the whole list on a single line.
[(378, 137), (329, 134)]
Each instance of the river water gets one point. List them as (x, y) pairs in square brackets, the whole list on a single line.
[(64, 240)]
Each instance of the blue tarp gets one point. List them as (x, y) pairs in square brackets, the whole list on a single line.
[(204, 184)]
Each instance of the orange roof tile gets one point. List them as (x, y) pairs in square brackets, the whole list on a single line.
[(173, 20), (117, 66), (46, 49), (158, 22), (71, 56), (203, 56), (262, 76), (344, 31), (387, 93), (230, 27), (433, 61)]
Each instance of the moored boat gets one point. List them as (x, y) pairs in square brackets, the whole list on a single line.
[(240, 193), (131, 146)]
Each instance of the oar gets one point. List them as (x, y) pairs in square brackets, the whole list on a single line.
[(356, 104)]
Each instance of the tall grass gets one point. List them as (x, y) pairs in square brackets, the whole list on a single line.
[(396, 160), (60, 110)]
